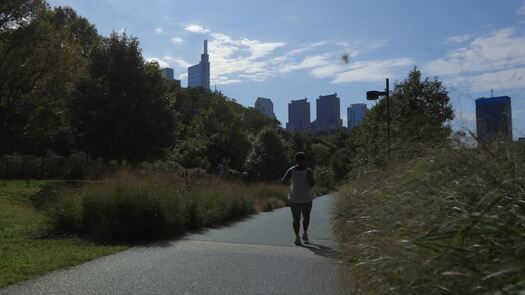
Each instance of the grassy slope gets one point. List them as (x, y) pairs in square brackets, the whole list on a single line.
[(23, 254), (452, 222)]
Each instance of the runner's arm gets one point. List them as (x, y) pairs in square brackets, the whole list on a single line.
[(287, 176)]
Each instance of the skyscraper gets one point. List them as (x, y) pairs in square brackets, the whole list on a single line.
[(199, 74), (265, 106), (167, 73), (328, 114), (299, 116), (356, 113), (493, 118)]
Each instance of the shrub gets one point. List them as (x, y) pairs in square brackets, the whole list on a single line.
[(325, 179)]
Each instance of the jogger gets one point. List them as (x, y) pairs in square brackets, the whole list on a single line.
[(300, 197)]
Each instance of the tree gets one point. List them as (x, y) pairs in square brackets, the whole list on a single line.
[(420, 111), (123, 109), (82, 32), (214, 130), (39, 71), (267, 159), (17, 13)]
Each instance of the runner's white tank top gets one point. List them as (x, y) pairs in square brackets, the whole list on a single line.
[(299, 187)]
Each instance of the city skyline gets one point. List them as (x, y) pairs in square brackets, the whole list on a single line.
[(479, 47)]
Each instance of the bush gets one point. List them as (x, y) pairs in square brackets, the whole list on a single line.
[(452, 221), (325, 178)]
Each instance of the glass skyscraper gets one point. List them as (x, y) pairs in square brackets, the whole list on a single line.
[(199, 74), (493, 118), (355, 114), (167, 73)]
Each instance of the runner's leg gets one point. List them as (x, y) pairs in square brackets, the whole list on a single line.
[(296, 214), (305, 210)]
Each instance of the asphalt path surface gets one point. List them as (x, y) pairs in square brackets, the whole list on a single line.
[(254, 256)]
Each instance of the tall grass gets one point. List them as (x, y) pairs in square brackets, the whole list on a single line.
[(144, 206), (449, 222)]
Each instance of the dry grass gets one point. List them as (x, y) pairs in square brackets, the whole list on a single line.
[(141, 206), (450, 222)]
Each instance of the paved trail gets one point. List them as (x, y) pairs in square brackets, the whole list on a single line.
[(254, 256)]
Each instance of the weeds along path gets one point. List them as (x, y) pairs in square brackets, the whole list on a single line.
[(253, 256)]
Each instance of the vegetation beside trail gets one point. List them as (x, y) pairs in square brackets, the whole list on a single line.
[(25, 249), (139, 206), (451, 221), (439, 214), (47, 225)]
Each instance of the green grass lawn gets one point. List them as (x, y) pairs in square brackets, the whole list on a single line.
[(25, 252)]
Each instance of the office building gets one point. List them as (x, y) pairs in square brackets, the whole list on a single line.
[(167, 73), (355, 114), (265, 106), (493, 118), (328, 114), (199, 74), (299, 116)]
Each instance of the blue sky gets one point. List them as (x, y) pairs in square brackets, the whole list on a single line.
[(291, 49)]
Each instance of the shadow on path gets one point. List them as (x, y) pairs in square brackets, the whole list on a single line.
[(321, 250)]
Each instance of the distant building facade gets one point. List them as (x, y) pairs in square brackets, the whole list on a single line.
[(265, 106), (199, 74), (299, 116), (355, 114), (493, 118), (328, 116), (167, 73)]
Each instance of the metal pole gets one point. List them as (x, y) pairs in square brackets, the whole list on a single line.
[(388, 118)]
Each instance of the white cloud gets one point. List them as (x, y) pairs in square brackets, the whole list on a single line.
[(308, 63), (168, 61), (372, 70), (307, 47), (499, 80), (326, 71), (177, 40), (236, 60), (158, 30), (196, 29), (492, 61), (256, 48), (459, 39), (162, 63), (495, 51), (329, 65)]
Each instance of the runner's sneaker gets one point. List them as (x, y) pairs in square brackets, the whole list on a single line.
[(298, 241), (305, 237)]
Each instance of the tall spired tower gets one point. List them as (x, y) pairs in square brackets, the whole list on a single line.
[(199, 74)]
